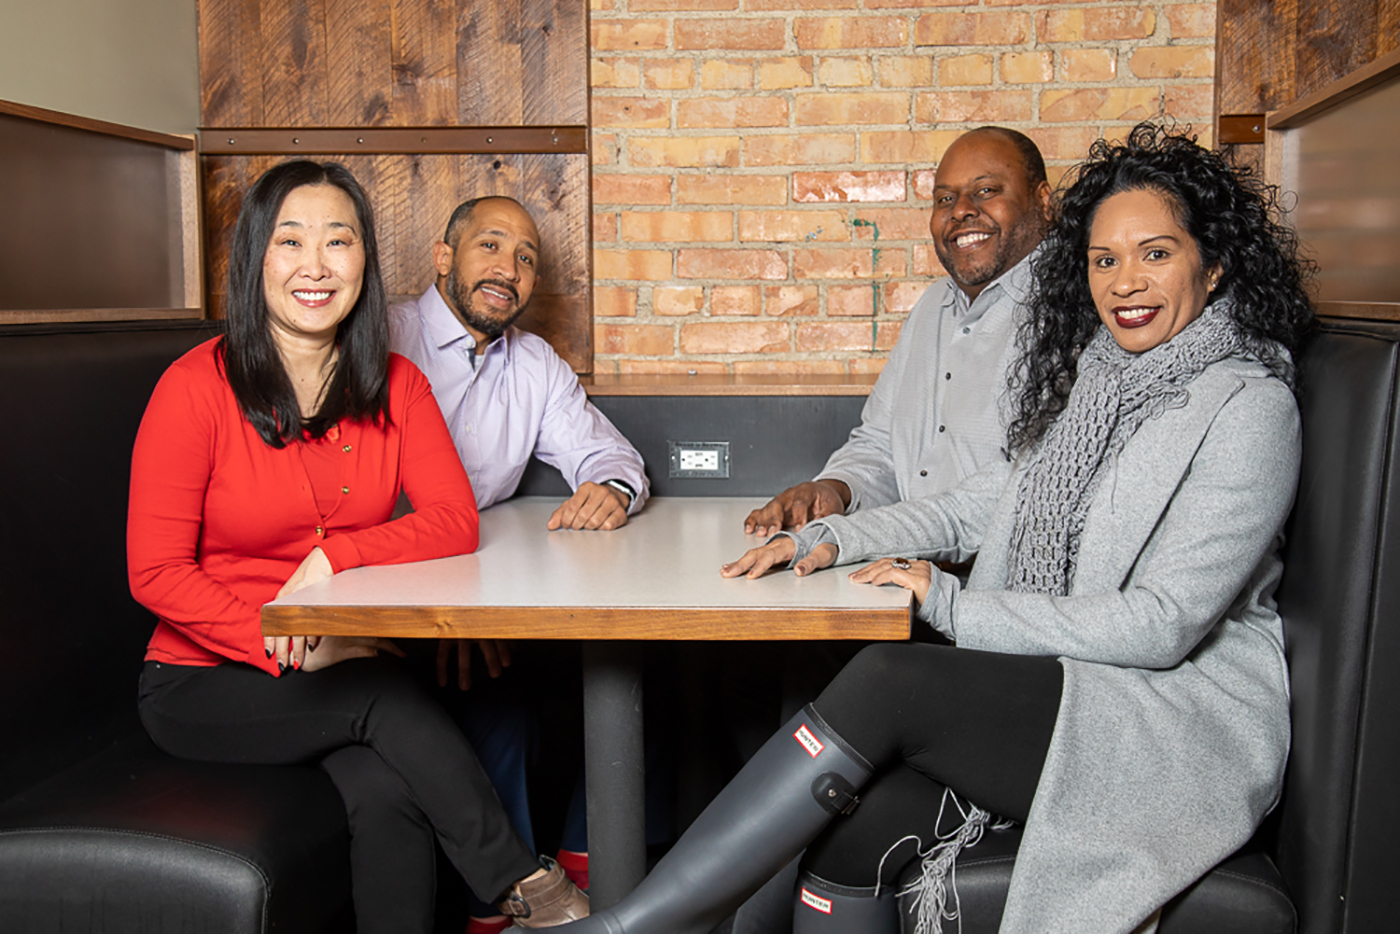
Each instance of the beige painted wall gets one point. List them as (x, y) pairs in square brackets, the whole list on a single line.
[(126, 61)]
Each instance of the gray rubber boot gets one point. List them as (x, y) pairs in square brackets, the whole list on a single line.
[(823, 907), (802, 777)]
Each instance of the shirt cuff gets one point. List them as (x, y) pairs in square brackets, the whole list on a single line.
[(341, 552), (813, 534)]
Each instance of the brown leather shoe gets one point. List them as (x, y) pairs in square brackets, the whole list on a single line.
[(544, 902)]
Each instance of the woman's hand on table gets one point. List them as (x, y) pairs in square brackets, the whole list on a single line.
[(290, 651), (756, 562), (916, 576)]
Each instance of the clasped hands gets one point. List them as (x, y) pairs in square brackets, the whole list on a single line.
[(312, 653), (915, 576)]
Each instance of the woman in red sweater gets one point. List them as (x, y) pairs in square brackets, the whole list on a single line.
[(270, 459)]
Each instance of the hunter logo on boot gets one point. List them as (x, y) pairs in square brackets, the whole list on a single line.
[(821, 904), (808, 741)]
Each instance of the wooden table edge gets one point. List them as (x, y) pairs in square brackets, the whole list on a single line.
[(716, 624)]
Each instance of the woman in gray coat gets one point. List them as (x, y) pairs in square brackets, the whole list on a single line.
[(1117, 678)]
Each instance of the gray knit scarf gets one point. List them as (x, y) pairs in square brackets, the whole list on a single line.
[(1114, 393)]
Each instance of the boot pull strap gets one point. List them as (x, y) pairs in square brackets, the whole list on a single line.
[(834, 793)]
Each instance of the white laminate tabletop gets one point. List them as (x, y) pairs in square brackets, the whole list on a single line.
[(657, 577)]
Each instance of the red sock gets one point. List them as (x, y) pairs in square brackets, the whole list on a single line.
[(575, 866), (478, 926)]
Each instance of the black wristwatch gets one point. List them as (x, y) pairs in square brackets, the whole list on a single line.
[(622, 486)]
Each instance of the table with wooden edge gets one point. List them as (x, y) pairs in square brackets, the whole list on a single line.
[(655, 578)]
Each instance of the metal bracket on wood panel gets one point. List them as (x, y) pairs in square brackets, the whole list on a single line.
[(335, 141)]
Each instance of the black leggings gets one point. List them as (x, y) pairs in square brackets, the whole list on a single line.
[(930, 717), (401, 765)]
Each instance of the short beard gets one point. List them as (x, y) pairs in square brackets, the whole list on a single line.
[(461, 299), (1012, 246)]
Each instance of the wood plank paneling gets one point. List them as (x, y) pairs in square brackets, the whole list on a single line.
[(553, 33), (359, 70), (230, 71), (365, 64), (1335, 37), (423, 56), (1255, 54), (293, 55), (1272, 52)]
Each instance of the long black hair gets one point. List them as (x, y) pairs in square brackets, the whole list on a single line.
[(358, 387), (1232, 215)]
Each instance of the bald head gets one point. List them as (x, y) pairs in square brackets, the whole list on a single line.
[(991, 205)]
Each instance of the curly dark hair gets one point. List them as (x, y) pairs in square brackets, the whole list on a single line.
[(1233, 216)]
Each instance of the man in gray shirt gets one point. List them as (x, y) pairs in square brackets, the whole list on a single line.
[(933, 417)]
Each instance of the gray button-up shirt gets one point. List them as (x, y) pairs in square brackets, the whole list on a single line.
[(937, 412)]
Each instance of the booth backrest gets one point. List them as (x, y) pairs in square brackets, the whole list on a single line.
[(72, 638), (1340, 600)]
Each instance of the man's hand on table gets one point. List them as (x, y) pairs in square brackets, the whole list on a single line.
[(797, 505), (495, 652), (593, 506), (756, 562)]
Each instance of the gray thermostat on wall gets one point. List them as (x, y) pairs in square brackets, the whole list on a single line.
[(693, 459)]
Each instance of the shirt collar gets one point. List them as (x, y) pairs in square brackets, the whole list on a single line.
[(1012, 285), (446, 330)]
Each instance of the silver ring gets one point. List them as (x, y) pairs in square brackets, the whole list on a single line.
[(901, 563)]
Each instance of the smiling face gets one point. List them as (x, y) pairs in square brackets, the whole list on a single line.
[(1145, 270), (986, 215), (487, 277), (314, 264)]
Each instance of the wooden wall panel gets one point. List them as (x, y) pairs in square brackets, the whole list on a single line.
[(292, 49), (1335, 37), (359, 73), (1272, 52), (411, 63), (1387, 27), (1255, 51), (423, 56), (230, 80)]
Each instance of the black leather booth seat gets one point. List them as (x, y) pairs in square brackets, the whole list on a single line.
[(99, 831)]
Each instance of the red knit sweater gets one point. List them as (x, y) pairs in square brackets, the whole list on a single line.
[(219, 520)]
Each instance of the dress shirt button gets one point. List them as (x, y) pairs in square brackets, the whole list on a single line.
[(346, 449), (320, 531), (967, 330), (942, 428), (923, 473), (947, 375), (345, 489)]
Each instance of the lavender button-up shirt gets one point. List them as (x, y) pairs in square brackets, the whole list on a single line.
[(517, 399)]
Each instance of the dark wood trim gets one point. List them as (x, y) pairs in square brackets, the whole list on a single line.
[(326, 141), (73, 121), (1375, 311), (658, 623), (1362, 79), (1242, 128), (726, 384), (8, 316)]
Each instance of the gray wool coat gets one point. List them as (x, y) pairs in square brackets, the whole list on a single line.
[(1173, 727)]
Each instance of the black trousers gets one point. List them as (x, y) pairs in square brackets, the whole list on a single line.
[(401, 765), (930, 717)]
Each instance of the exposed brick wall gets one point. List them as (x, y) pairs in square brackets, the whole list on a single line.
[(762, 168)]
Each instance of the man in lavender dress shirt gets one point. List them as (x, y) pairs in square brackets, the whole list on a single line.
[(504, 392), (506, 395)]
